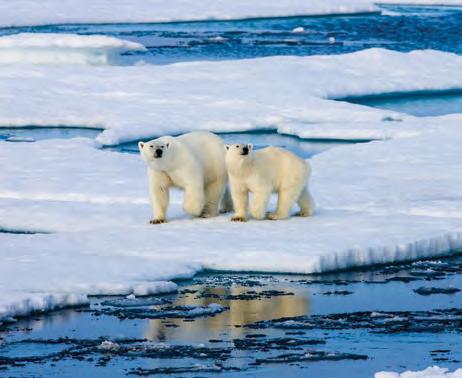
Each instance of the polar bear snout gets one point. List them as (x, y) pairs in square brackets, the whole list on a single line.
[(245, 150), (158, 153)]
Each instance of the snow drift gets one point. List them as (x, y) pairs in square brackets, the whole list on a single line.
[(55, 49)]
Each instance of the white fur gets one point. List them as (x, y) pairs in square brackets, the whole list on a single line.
[(270, 170), (194, 162)]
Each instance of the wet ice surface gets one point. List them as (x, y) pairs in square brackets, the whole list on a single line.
[(254, 325), (402, 28)]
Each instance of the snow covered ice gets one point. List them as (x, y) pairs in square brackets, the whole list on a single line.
[(430, 372), (137, 102), (376, 202), (55, 12), (52, 49), (47, 12)]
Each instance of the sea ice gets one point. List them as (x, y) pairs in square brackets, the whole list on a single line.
[(49, 12), (137, 102), (376, 203), (70, 49), (430, 372)]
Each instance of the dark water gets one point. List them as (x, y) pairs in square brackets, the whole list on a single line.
[(401, 28), (271, 325)]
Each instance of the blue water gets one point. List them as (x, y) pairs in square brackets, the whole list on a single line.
[(410, 28), (368, 292), (302, 147), (417, 104)]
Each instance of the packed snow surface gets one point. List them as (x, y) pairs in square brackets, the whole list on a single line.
[(137, 102), (52, 49), (430, 372), (48, 12)]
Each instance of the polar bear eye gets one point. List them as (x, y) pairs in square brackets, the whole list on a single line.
[(151, 146), (237, 146)]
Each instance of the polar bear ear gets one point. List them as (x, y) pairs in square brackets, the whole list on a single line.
[(250, 145), (140, 146)]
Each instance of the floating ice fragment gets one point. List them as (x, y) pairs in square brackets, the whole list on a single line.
[(109, 346), (55, 49), (298, 29)]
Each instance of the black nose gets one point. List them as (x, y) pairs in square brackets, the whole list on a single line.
[(245, 150), (158, 152)]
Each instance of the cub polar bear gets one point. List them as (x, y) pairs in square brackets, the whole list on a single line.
[(194, 162), (263, 172)]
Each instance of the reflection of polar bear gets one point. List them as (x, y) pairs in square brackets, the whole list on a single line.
[(194, 162), (262, 173)]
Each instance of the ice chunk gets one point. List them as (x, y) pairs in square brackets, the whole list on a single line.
[(109, 346), (299, 29), (56, 49)]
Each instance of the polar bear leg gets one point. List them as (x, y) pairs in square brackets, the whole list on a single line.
[(194, 199), (213, 195), (227, 201), (259, 204), (286, 199), (240, 197), (159, 194), (306, 203)]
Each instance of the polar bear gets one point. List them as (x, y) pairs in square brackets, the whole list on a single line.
[(194, 162), (263, 172)]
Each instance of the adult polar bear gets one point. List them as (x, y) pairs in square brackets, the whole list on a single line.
[(263, 172), (194, 162)]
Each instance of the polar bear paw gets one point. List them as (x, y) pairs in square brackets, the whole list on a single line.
[(157, 221), (238, 219), (304, 213), (209, 214), (275, 216)]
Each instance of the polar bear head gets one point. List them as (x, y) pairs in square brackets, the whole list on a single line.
[(238, 152), (158, 154)]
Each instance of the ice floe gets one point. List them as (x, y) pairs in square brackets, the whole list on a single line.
[(430, 372), (70, 49), (137, 102), (422, 2), (379, 202), (49, 12)]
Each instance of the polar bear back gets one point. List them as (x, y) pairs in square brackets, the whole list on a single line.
[(280, 167), (210, 152)]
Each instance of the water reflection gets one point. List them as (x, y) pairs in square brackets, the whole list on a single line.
[(240, 312)]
